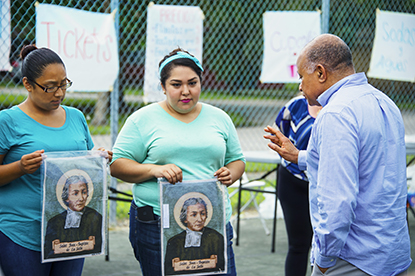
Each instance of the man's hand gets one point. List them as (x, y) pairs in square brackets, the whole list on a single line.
[(281, 144)]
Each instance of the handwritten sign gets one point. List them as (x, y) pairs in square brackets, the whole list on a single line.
[(169, 27), (5, 42), (285, 34), (393, 53), (86, 42)]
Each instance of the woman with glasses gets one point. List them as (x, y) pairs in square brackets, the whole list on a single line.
[(37, 125), (179, 139)]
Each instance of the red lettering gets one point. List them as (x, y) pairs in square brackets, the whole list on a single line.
[(107, 38), (94, 35), (87, 40), (47, 31), (65, 43), (59, 41), (77, 46)]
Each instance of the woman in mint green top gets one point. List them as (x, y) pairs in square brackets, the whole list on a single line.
[(178, 139)]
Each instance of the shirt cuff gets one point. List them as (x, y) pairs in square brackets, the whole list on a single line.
[(302, 160)]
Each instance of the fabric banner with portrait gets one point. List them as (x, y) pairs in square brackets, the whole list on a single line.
[(193, 232), (74, 186)]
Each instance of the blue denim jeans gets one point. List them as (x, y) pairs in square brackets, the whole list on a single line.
[(16, 260), (146, 243)]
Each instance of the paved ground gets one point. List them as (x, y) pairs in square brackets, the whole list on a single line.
[(253, 255)]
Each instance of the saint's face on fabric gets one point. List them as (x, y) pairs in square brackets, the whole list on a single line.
[(77, 196), (196, 217)]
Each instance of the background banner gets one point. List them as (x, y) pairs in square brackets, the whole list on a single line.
[(285, 34), (393, 53), (169, 27), (86, 42)]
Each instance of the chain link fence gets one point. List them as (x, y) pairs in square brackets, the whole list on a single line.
[(232, 57)]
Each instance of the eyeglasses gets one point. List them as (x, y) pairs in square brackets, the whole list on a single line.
[(53, 89)]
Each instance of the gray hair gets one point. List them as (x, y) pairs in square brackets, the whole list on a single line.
[(331, 52), (72, 180), (189, 202)]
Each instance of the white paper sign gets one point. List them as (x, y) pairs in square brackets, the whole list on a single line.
[(285, 34), (86, 42), (169, 27), (393, 53), (5, 42)]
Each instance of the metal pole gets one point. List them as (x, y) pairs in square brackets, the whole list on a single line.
[(114, 112), (325, 17)]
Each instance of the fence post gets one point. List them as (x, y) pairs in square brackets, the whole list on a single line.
[(326, 17), (114, 112)]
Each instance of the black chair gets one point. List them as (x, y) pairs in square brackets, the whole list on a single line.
[(129, 198)]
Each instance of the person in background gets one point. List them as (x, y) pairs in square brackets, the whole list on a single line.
[(356, 164), (295, 120), (39, 124), (178, 139)]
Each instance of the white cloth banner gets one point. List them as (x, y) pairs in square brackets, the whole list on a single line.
[(285, 34), (393, 53), (5, 42), (86, 42), (169, 27)]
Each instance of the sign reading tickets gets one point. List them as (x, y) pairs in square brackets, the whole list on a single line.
[(285, 34), (86, 42), (74, 204), (169, 27), (393, 53), (5, 42)]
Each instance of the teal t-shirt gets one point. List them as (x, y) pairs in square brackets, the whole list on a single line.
[(20, 200), (200, 148)]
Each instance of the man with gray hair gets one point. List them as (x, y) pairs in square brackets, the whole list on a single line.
[(356, 164)]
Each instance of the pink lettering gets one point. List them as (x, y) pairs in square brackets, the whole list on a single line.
[(77, 46), (47, 31), (66, 43)]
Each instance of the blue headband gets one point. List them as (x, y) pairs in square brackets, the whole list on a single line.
[(180, 55)]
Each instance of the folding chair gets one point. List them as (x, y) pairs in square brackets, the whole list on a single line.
[(254, 187), (246, 183)]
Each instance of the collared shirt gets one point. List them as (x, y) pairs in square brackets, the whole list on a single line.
[(73, 219), (357, 172)]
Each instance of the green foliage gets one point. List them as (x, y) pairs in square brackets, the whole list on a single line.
[(7, 101)]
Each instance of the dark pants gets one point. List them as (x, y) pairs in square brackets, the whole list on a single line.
[(16, 260), (146, 242), (293, 196)]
